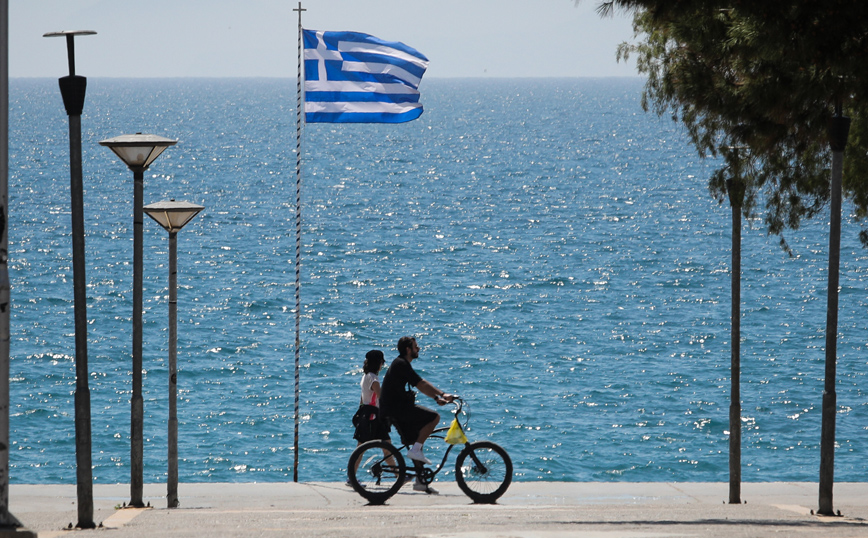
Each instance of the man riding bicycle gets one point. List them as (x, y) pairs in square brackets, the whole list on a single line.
[(397, 402)]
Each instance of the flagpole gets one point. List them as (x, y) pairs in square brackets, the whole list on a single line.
[(298, 126)]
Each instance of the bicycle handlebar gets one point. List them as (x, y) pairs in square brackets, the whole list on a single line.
[(459, 408)]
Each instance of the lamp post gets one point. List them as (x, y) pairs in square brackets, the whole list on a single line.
[(137, 151), (735, 189), (172, 216), (8, 523), (839, 129), (72, 89)]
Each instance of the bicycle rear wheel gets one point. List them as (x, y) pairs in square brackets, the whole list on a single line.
[(483, 471), (376, 471)]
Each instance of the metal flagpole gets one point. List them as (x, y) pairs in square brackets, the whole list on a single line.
[(298, 126)]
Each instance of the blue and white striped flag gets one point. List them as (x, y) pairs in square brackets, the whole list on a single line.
[(357, 78)]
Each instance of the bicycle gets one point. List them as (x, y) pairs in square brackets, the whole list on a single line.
[(483, 469)]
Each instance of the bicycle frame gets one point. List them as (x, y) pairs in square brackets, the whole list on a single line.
[(439, 434)]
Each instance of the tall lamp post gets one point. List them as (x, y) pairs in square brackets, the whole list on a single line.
[(72, 89), (839, 128), (137, 151), (172, 216), (735, 189), (8, 523)]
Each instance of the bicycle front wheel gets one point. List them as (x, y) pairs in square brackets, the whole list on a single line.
[(483, 471), (376, 471)]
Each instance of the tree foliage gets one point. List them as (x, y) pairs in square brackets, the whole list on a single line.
[(765, 75)]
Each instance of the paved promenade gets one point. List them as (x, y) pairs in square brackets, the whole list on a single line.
[(529, 509)]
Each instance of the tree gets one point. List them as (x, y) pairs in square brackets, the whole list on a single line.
[(765, 75), (774, 76)]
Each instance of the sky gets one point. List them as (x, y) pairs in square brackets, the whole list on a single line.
[(258, 38)]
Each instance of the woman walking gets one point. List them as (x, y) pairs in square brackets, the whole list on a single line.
[(367, 420)]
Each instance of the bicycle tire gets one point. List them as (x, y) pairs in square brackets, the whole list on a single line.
[(371, 474), (483, 485)]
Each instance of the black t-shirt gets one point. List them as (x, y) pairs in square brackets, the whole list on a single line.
[(395, 395)]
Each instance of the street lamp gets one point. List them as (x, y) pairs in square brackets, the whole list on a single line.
[(735, 189), (173, 216), (839, 129), (72, 89), (8, 522), (137, 151)]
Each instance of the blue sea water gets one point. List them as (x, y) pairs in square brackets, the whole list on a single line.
[(554, 249)]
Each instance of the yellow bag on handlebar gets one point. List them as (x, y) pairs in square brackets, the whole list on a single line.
[(455, 435)]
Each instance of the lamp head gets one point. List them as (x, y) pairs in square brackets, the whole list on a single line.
[(172, 215), (70, 44), (138, 150), (64, 33)]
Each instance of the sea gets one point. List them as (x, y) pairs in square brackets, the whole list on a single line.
[(554, 249)]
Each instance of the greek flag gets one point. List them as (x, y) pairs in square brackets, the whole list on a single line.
[(357, 78)]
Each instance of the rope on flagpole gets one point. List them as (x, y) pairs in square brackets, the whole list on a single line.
[(298, 126)]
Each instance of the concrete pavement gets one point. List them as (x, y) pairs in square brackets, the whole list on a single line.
[(528, 509)]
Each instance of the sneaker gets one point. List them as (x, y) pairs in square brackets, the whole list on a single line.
[(427, 489), (416, 455), (348, 483)]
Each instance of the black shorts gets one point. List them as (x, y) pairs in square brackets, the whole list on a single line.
[(411, 421)]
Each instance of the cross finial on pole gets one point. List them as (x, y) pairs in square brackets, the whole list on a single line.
[(299, 9)]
